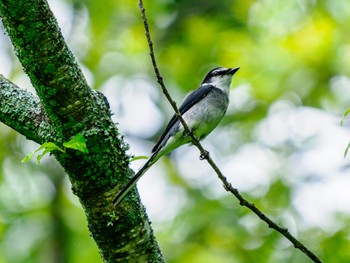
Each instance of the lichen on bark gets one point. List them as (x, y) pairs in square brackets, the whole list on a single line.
[(65, 105)]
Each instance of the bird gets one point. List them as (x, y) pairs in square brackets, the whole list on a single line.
[(202, 110)]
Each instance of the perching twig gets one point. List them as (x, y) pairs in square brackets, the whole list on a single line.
[(228, 187)]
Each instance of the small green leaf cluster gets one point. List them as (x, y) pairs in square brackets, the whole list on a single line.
[(341, 123), (77, 143)]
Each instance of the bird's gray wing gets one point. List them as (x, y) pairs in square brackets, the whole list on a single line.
[(192, 99)]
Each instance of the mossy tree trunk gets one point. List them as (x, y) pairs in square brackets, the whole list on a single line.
[(65, 105)]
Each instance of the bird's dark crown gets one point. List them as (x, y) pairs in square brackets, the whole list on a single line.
[(219, 71)]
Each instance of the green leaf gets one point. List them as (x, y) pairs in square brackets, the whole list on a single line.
[(50, 146), (140, 157), (346, 150), (28, 157), (47, 150), (47, 146), (346, 112), (77, 143)]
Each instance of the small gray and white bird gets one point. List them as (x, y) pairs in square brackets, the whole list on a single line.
[(202, 111)]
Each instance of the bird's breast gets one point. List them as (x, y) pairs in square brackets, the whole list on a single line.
[(203, 117)]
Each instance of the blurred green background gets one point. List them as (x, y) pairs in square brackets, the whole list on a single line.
[(280, 144)]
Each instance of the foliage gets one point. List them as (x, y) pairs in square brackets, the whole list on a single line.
[(77, 143)]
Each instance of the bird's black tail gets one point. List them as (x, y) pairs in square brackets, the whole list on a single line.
[(133, 181)]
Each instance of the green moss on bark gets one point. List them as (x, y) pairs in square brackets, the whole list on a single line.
[(69, 106)]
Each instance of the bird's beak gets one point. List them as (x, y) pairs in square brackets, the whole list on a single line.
[(232, 71)]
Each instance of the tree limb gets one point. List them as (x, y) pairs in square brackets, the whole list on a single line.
[(205, 155), (23, 112), (73, 107), (48, 62)]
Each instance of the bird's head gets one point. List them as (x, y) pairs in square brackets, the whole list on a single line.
[(220, 77)]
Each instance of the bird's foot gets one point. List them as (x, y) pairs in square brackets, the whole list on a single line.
[(204, 155), (190, 134)]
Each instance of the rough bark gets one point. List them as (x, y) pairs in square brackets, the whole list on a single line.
[(65, 106)]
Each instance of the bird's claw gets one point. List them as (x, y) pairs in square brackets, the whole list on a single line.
[(190, 134), (204, 155)]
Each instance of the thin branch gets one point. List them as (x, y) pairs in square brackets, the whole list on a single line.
[(160, 79), (195, 141)]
